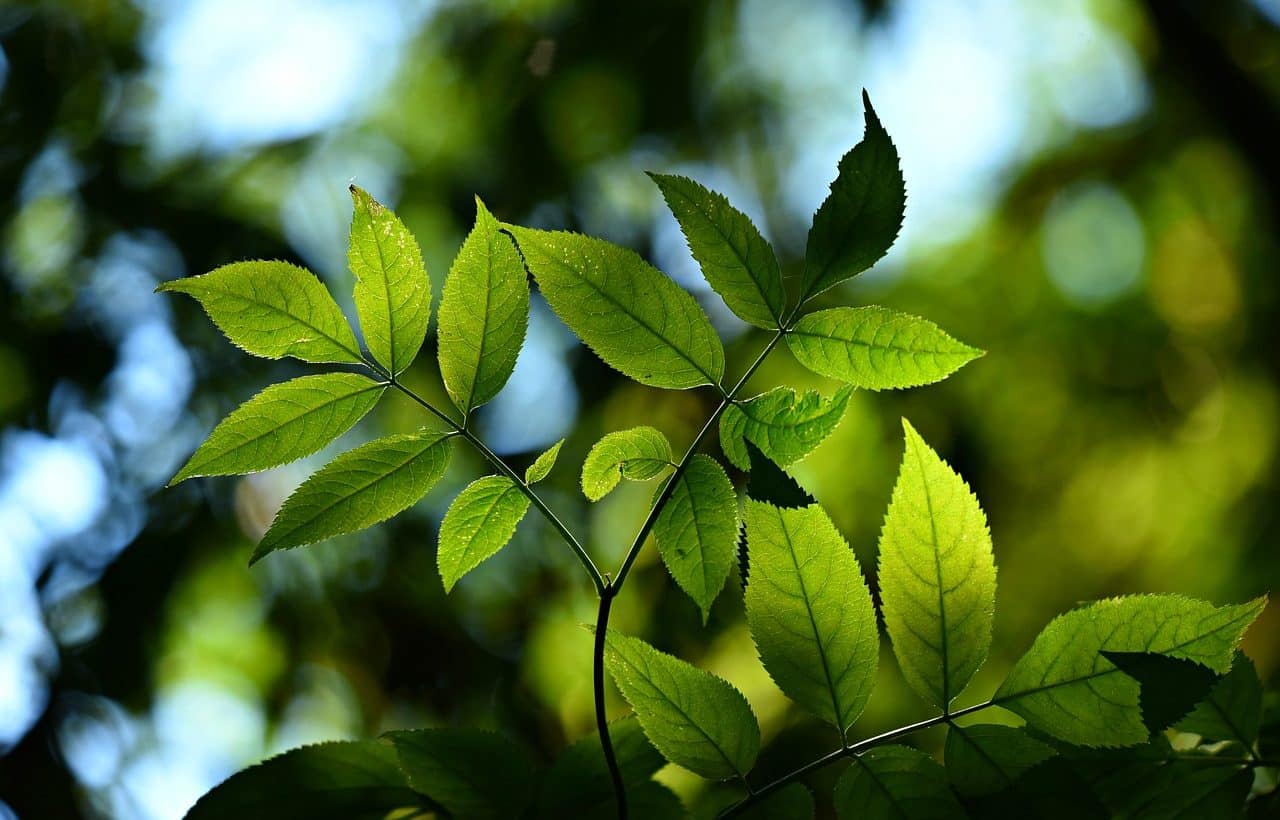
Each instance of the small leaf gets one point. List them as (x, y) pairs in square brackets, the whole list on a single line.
[(695, 719), (784, 424), (358, 489), (770, 484), (937, 575), (484, 314), (631, 314), (895, 782), (794, 802), (697, 531), (639, 454), (479, 522), (472, 773), (1064, 686), (283, 423), (1169, 688), (861, 217), (579, 784), (1233, 710), (986, 759), (736, 260), (810, 612), (392, 293), (355, 780), (543, 464), (876, 348), (273, 309)]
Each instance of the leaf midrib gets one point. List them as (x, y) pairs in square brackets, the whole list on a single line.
[(304, 322), (813, 624)]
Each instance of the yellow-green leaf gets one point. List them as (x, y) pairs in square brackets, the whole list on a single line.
[(784, 424), (543, 464), (479, 522), (639, 454), (697, 531)]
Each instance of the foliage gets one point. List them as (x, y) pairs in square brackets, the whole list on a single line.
[(1097, 689)]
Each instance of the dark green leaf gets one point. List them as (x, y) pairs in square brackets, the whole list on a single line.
[(1233, 710), (895, 782), (770, 484), (986, 759), (1168, 687), (472, 773), (794, 802), (579, 785)]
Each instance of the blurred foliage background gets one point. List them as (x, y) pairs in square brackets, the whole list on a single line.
[(1092, 198)]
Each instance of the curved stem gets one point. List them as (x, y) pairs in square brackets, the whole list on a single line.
[(602, 722), (460, 428), (847, 751)]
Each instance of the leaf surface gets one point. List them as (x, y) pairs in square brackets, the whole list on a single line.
[(794, 802), (479, 522), (697, 531), (895, 782), (273, 309), (1233, 710), (640, 453), (472, 773), (1066, 688), (1168, 688), (579, 784), (784, 424), (862, 215), (484, 314), (876, 348), (358, 489), (810, 612), (392, 293), (695, 719), (283, 423), (543, 464), (986, 759), (736, 260), (937, 575), (632, 315)]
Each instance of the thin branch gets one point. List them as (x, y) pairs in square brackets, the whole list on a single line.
[(602, 722)]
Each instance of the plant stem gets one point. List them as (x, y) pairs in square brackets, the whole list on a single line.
[(602, 722), (501, 466), (847, 751)]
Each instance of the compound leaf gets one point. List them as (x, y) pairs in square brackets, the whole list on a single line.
[(697, 531), (479, 522), (784, 424), (862, 215), (986, 759), (695, 719), (354, 780), (876, 348), (484, 314), (543, 464), (736, 260), (273, 309), (631, 314), (472, 773), (358, 489), (895, 782), (937, 575), (810, 612), (283, 423), (392, 293), (1233, 710), (640, 453), (1066, 688)]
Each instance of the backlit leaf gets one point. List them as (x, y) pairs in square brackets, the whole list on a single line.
[(697, 531), (480, 521), (273, 309), (631, 314), (784, 424), (1169, 688), (543, 464), (284, 423), (639, 454), (895, 782)]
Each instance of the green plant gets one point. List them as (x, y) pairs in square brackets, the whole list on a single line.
[(1097, 690)]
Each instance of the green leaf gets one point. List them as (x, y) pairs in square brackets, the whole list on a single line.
[(273, 309), (484, 314), (392, 293), (356, 780), (784, 424), (810, 612), (695, 719), (579, 785), (736, 260), (986, 759), (1190, 792), (1233, 710), (358, 489), (639, 454), (479, 522), (876, 348), (770, 483), (697, 531), (543, 464), (472, 773), (895, 782), (1064, 686), (630, 313), (937, 575), (794, 802), (862, 215), (1168, 688), (283, 423)]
